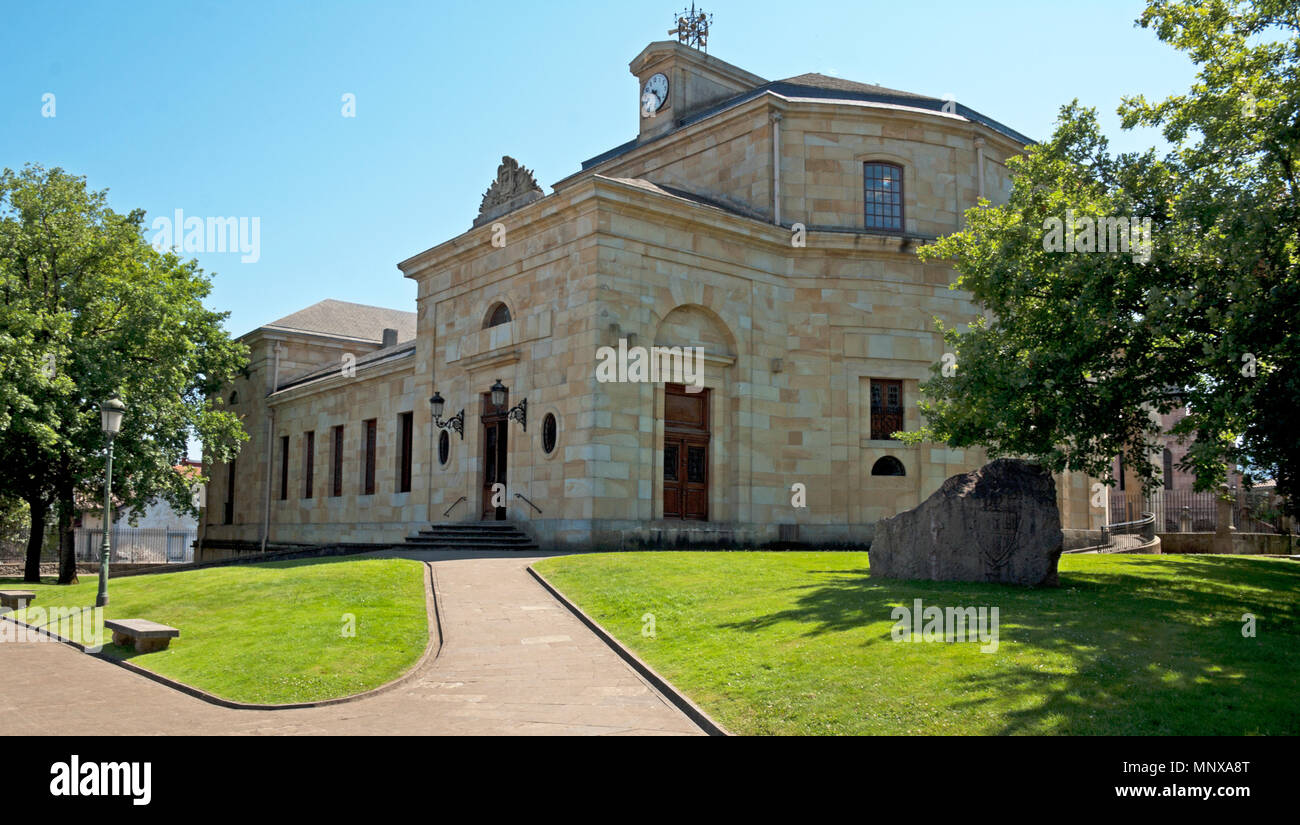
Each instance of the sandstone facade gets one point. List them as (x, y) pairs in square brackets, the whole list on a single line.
[(687, 237)]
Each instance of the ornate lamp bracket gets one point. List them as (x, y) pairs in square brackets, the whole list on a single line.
[(456, 422), (519, 413)]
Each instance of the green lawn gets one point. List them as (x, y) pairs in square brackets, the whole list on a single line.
[(800, 643), (270, 633)]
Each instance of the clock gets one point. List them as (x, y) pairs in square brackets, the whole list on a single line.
[(654, 94)]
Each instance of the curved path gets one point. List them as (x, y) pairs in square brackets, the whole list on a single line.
[(513, 661)]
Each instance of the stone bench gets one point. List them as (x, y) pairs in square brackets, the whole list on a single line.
[(148, 636), (16, 599)]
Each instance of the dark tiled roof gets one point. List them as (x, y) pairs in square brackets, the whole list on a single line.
[(823, 87), (822, 81), (694, 197), (347, 320), (400, 350)]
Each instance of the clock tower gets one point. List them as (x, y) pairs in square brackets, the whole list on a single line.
[(675, 81)]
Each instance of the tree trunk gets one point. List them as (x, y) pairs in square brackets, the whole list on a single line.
[(32, 573), (67, 538)]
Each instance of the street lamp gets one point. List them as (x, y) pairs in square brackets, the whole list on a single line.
[(457, 423), (518, 412), (110, 416)]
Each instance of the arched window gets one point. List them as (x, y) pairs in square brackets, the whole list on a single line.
[(499, 314), (234, 398), (882, 188), (888, 466), (1169, 469)]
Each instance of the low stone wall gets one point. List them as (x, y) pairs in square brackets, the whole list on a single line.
[(1242, 543), (580, 535), (221, 554), (1079, 539), (311, 535), (84, 568), (224, 550)]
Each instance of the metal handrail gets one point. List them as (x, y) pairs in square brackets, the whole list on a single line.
[(1145, 526), (530, 504), (1146, 518), (447, 512)]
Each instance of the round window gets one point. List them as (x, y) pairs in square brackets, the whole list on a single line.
[(548, 433), (444, 447)]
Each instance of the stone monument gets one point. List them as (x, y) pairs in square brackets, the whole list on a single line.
[(999, 523)]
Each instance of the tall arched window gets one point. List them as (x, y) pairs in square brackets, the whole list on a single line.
[(499, 314), (1169, 469), (882, 185)]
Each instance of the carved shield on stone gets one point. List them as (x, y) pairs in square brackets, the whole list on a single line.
[(1001, 525)]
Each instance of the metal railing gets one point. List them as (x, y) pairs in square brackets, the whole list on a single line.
[(885, 422), (1188, 511), (138, 545), (1129, 534), (530, 504), (447, 512)]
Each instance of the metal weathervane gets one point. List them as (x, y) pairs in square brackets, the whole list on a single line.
[(693, 28)]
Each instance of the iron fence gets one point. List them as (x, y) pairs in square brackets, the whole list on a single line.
[(153, 545), (1188, 511)]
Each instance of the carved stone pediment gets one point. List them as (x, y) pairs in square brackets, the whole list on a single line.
[(514, 187)]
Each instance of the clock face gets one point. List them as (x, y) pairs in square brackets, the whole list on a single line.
[(654, 94)]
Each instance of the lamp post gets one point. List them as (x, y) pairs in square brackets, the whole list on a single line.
[(110, 416), (457, 422), (518, 412)]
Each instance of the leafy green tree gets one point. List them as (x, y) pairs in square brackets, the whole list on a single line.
[(1079, 347), (88, 308)]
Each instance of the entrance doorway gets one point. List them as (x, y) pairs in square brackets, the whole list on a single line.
[(686, 453), (495, 441)]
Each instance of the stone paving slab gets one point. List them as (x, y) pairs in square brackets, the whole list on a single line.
[(513, 662)]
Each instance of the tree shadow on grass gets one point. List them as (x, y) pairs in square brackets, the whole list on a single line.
[(1149, 646)]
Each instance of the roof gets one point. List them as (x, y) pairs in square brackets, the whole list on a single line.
[(342, 319), (822, 81), (813, 86), (402, 349), (676, 192)]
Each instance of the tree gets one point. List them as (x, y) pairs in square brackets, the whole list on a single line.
[(88, 308), (1082, 340)]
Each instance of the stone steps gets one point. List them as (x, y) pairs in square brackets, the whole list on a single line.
[(484, 536)]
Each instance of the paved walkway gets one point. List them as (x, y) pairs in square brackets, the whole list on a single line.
[(513, 661)]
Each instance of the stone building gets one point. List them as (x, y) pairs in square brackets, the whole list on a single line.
[(768, 228)]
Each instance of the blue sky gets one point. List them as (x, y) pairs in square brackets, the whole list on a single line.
[(234, 108)]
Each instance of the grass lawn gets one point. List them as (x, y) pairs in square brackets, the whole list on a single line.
[(269, 633), (800, 643)]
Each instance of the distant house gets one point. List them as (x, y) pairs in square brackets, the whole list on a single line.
[(1169, 452), (1176, 504), (158, 534)]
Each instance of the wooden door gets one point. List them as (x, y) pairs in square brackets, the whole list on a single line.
[(686, 454), (495, 442)]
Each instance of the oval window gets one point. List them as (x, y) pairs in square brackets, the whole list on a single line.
[(888, 466), (444, 447), (548, 433)]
